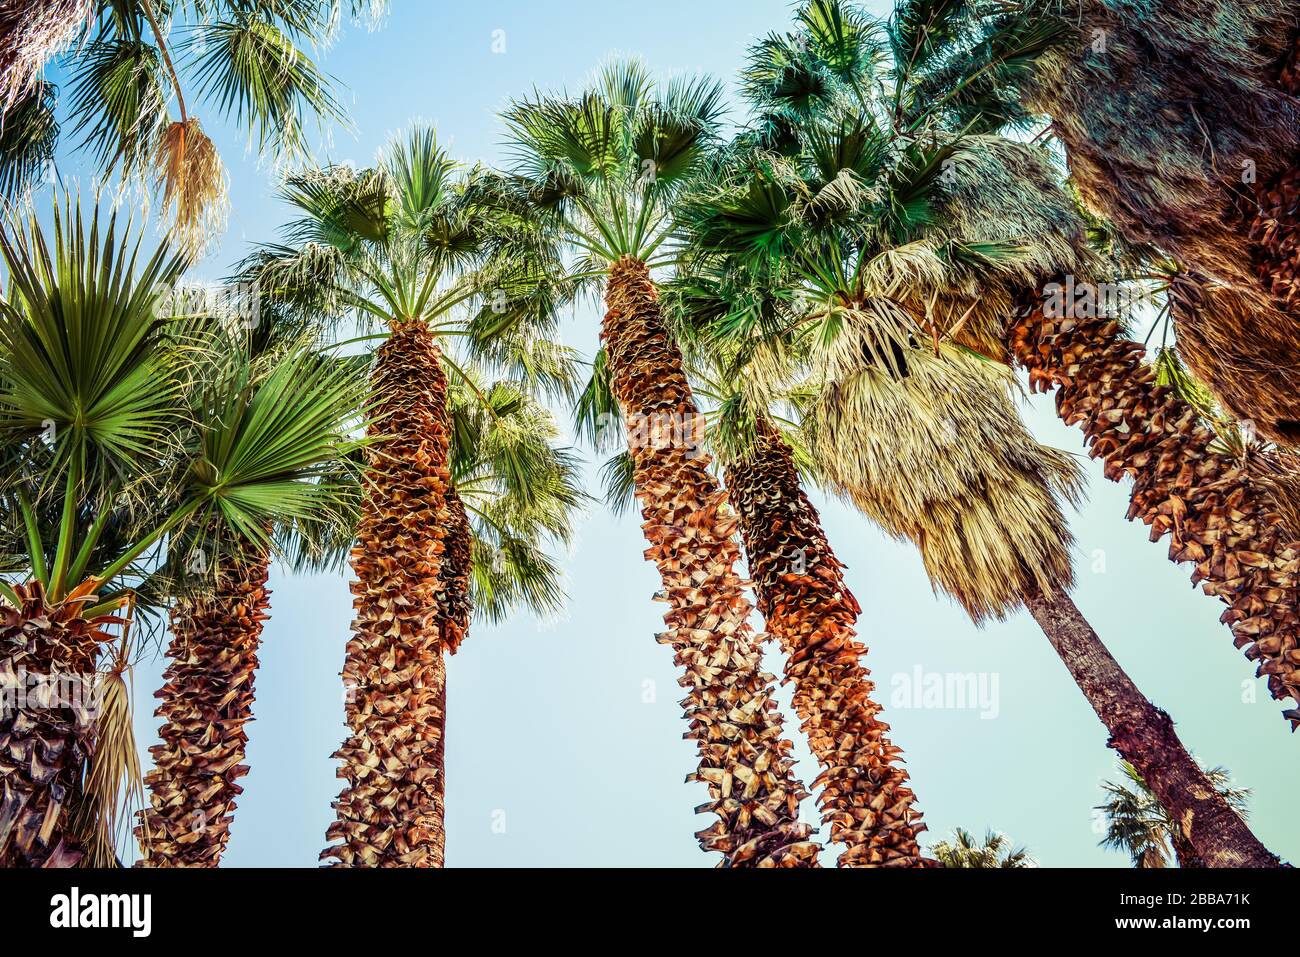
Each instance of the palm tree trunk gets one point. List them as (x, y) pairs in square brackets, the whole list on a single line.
[(207, 699), (1144, 737), (1219, 511), (393, 669), (1273, 222), (454, 610), (865, 797), (743, 758), (47, 665)]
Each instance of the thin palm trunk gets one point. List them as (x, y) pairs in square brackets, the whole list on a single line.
[(47, 667), (207, 699), (1219, 511), (865, 795), (1144, 736), (744, 759), (393, 670)]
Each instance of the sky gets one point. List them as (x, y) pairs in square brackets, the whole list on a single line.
[(564, 738)]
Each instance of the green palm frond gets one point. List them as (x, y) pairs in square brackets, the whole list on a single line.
[(842, 37), (265, 441), (28, 137), (119, 94), (80, 330), (256, 74)]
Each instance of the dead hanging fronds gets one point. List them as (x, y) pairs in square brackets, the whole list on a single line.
[(31, 33), (929, 445), (1168, 113), (193, 183), (1244, 349), (1008, 222), (113, 785)]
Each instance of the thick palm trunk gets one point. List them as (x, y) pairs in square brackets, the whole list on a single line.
[(207, 699), (1219, 511), (47, 673), (1144, 736), (393, 670), (743, 758), (865, 797)]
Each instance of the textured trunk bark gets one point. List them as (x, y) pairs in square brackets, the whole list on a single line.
[(744, 759), (47, 674), (454, 611), (1219, 512), (207, 699), (1144, 736), (393, 669), (1274, 223), (865, 796)]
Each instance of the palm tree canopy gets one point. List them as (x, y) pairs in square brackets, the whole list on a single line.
[(1138, 824), (128, 423), (600, 172), (139, 69), (410, 239), (854, 259), (996, 850)]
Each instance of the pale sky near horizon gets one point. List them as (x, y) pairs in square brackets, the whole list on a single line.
[(564, 739)]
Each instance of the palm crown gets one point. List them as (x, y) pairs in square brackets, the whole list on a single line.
[(600, 172), (407, 240), (138, 60)]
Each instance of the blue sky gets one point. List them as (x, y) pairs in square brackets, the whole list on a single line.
[(564, 739)]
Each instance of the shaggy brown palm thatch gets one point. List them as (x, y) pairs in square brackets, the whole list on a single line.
[(31, 32), (958, 475), (1178, 132), (744, 759), (46, 740), (926, 442), (389, 812), (207, 699), (864, 791), (1235, 341)]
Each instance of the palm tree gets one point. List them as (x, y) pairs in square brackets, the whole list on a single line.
[(109, 469), (1181, 124), (396, 245), (137, 68), (1137, 823), (964, 850), (278, 426), (514, 493), (600, 173), (865, 794), (913, 427), (1218, 502)]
